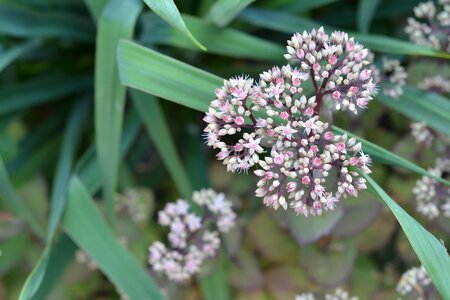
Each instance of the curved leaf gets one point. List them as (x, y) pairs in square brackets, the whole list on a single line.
[(222, 12), (168, 11), (7, 57)]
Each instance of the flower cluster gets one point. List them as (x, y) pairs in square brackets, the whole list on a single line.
[(432, 25), (392, 77), (437, 83), (192, 238), (305, 156), (415, 282), (433, 197), (338, 294), (131, 203), (421, 133), (338, 66)]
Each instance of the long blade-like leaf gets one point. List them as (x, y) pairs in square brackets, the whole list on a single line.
[(420, 105), (288, 23), (153, 117), (41, 90), (223, 41), (85, 225), (72, 136), (15, 204), (366, 12), (169, 12), (117, 21), (15, 52), (222, 12), (429, 250), (20, 21)]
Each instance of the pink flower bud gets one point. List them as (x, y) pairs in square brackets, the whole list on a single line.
[(336, 95), (305, 180), (284, 115), (291, 186), (239, 120)]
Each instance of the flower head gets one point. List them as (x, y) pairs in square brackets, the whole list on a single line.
[(392, 77), (415, 282), (431, 25), (192, 238), (433, 197)]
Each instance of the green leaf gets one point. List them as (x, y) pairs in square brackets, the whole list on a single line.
[(95, 7), (7, 57), (15, 204), (384, 156), (117, 21), (420, 105), (214, 285), (39, 90), (157, 74), (300, 6), (223, 12), (223, 41), (288, 23), (152, 116), (20, 21), (366, 12), (429, 250), (72, 137), (169, 12), (85, 225)]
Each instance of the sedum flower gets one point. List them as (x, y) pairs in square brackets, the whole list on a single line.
[(338, 294), (415, 283), (438, 84), (392, 77), (338, 66), (192, 239), (433, 197), (272, 126), (431, 25), (422, 133)]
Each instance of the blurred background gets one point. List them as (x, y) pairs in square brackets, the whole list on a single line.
[(47, 120)]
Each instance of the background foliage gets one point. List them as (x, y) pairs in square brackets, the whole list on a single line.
[(81, 119)]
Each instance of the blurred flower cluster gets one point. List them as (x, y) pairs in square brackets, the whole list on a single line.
[(431, 25), (305, 157), (192, 237)]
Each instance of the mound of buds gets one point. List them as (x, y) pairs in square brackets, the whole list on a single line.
[(421, 133), (339, 294), (192, 238), (305, 166), (338, 66), (416, 283), (433, 197), (392, 77), (431, 26)]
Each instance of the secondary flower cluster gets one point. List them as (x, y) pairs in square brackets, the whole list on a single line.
[(433, 197), (432, 25), (415, 283), (307, 167), (437, 83), (192, 238), (392, 77), (338, 294)]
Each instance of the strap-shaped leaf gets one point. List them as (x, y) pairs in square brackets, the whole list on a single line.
[(223, 41), (20, 21), (420, 105), (222, 12), (85, 225), (169, 12), (10, 55), (429, 250), (72, 136), (117, 21), (155, 122), (366, 12), (289, 23)]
